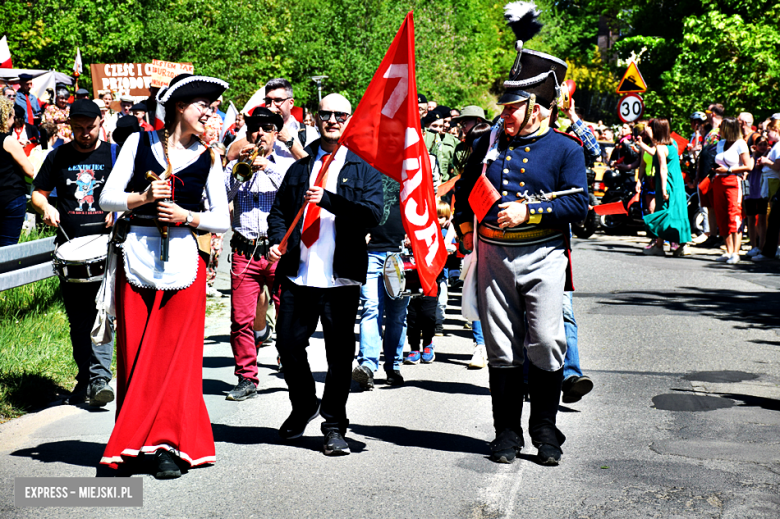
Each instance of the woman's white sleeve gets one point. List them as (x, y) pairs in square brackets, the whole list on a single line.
[(113, 196), (217, 218)]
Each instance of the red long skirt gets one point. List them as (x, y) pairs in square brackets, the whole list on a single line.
[(160, 373)]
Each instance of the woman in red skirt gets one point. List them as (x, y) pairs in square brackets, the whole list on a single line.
[(161, 301)]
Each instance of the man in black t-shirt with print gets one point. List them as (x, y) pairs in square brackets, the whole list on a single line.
[(78, 170)]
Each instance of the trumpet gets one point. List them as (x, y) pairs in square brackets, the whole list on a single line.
[(243, 170)]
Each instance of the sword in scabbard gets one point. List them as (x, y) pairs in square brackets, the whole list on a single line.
[(164, 236), (546, 197)]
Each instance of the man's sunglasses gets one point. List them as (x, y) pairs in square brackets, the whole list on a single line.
[(325, 115), (267, 128)]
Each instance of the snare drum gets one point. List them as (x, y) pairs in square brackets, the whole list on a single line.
[(401, 277), (82, 260)]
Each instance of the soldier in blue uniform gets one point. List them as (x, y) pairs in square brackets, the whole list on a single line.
[(523, 249)]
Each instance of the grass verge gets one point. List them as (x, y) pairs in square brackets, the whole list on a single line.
[(36, 361)]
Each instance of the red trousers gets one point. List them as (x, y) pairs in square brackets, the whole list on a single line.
[(727, 202), (246, 282)]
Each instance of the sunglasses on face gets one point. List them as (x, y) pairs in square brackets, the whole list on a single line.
[(267, 128), (277, 101), (325, 115)]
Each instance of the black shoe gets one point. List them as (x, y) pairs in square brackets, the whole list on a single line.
[(296, 423), (245, 389), (506, 447), (260, 341), (78, 395), (439, 331), (574, 388), (100, 393), (364, 377), (394, 378), (166, 466), (335, 445), (549, 454)]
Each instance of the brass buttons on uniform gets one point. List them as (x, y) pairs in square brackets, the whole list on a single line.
[(524, 160), (522, 184), (522, 170), (527, 149), (503, 193), (508, 157), (549, 209), (532, 211), (511, 149), (519, 194), (506, 182), (506, 171)]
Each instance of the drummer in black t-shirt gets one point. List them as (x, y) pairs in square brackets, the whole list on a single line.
[(78, 170)]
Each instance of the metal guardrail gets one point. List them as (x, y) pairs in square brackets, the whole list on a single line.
[(26, 263)]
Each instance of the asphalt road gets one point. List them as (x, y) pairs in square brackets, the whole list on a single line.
[(684, 420)]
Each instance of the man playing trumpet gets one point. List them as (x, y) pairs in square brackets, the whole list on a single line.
[(252, 182)]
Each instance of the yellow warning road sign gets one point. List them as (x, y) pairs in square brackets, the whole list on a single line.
[(632, 81)]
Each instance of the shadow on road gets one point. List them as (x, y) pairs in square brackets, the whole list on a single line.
[(218, 362), (72, 452), (448, 387), (241, 435), (432, 440)]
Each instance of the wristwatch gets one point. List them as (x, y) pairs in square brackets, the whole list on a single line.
[(190, 218), (290, 143)]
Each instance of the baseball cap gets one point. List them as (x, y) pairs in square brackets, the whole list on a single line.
[(84, 108)]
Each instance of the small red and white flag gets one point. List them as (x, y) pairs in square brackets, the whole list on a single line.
[(159, 117), (257, 99), (230, 121), (5, 54), (77, 66), (385, 132)]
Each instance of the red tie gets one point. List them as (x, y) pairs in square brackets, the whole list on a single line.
[(29, 109), (311, 224)]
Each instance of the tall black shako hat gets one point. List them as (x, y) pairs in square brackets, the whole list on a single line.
[(188, 86), (535, 76)]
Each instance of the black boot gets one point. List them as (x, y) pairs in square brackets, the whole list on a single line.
[(544, 387), (506, 392)]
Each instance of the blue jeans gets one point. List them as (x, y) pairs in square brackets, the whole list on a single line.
[(571, 363), (376, 303), (11, 221), (476, 329)]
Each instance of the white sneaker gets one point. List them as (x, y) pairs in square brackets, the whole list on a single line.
[(752, 252), (212, 291), (734, 259), (725, 257), (479, 359)]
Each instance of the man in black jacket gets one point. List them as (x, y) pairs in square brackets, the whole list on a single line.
[(321, 270)]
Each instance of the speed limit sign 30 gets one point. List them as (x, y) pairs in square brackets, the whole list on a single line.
[(630, 108)]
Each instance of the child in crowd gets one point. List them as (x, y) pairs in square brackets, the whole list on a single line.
[(444, 212), (755, 205), (420, 323)]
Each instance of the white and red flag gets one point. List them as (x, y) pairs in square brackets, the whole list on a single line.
[(77, 65), (230, 121), (385, 132), (5, 54)]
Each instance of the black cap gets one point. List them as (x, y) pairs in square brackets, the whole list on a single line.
[(443, 111), (262, 115), (84, 108), (138, 107), (124, 127), (18, 112), (82, 92), (25, 77), (430, 117), (421, 99)]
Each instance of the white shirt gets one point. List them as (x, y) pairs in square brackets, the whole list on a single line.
[(113, 197), (730, 158), (315, 268)]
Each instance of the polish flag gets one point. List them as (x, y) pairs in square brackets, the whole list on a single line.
[(257, 99), (230, 121), (77, 65), (385, 132), (159, 117), (5, 54)]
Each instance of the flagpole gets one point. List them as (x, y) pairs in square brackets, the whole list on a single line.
[(322, 177)]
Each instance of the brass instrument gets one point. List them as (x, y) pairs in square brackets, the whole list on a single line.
[(243, 170)]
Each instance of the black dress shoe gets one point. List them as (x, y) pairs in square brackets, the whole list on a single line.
[(364, 377), (166, 466), (335, 444), (296, 423), (549, 454), (394, 378), (505, 448), (574, 388)]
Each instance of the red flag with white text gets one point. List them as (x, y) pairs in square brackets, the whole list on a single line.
[(385, 132), (5, 54)]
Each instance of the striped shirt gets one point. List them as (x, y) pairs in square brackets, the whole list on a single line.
[(252, 200)]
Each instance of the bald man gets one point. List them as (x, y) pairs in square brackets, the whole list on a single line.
[(321, 271)]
